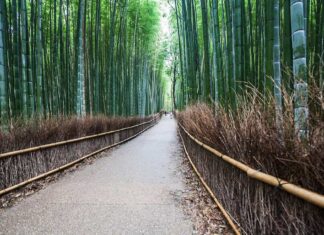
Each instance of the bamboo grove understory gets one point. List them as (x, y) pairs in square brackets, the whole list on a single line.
[(79, 57), (225, 47)]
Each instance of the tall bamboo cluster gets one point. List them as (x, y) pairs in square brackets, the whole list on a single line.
[(67, 57), (227, 46)]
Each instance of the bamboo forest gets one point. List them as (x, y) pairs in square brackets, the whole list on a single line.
[(80, 57), (225, 96)]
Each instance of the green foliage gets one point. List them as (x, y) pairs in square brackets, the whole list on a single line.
[(228, 46), (80, 57)]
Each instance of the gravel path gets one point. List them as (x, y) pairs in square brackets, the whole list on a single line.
[(136, 189)]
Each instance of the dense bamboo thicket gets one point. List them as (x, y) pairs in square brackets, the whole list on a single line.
[(64, 57), (226, 46)]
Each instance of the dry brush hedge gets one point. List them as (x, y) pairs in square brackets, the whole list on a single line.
[(19, 168), (250, 138)]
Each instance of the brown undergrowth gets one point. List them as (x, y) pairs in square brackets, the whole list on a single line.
[(26, 134), (251, 136), (18, 168)]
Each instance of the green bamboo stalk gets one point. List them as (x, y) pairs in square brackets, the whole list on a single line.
[(69, 79), (112, 79), (237, 33), (97, 57), (3, 74), (207, 79), (16, 59), (287, 52), (277, 65), (80, 98), (301, 111), (61, 66), (225, 55), (268, 82), (180, 55), (39, 61), (215, 42), (24, 68)]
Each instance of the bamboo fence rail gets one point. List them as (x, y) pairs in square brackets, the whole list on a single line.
[(46, 146), (43, 174), (61, 168), (305, 194), (225, 213)]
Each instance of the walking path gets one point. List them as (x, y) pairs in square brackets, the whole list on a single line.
[(129, 191)]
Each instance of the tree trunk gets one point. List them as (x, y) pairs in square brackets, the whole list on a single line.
[(80, 102), (299, 68), (3, 70), (39, 61), (277, 66)]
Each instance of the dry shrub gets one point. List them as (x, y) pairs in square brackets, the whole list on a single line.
[(15, 169), (25, 134), (250, 135)]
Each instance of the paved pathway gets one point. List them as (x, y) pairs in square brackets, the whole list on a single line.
[(129, 191)]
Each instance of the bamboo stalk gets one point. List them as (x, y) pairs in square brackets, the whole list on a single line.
[(7, 190), (46, 146), (302, 193)]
